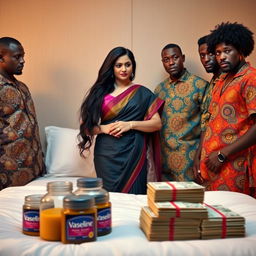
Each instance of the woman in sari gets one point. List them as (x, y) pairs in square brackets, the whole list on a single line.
[(125, 118)]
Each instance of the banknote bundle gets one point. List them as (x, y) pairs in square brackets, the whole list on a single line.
[(175, 191), (174, 211), (222, 223), (177, 211)]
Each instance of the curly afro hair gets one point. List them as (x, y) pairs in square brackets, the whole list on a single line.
[(233, 34)]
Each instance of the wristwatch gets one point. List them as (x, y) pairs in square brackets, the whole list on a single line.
[(221, 157)]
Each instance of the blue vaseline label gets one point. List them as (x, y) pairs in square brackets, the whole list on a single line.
[(80, 227), (31, 220), (104, 219)]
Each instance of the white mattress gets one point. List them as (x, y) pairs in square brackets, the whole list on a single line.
[(126, 237)]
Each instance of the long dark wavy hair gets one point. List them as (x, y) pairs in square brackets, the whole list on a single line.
[(90, 111)]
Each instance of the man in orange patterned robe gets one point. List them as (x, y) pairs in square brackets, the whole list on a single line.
[(210, 65), (228, 160), (21, 157)]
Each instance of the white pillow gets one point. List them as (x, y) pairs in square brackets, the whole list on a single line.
[(62, 154)]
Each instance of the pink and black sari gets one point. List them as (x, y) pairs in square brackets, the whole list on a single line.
[(122, 162)]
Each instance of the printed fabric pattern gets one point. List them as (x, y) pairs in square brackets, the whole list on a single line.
[(231, 117), (21, 157), (181, 119)]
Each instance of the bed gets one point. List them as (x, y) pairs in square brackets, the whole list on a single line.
[(126, 237)]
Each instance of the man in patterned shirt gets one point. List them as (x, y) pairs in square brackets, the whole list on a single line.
[(210, 64), (21, 157), (183, 93), (228, 158)]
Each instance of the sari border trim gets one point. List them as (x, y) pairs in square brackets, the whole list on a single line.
[(116, 105), (156, 106), (136, 171)]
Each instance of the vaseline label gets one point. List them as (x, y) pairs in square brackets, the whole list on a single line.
[(31, 220), (80, 227), (104, 219)]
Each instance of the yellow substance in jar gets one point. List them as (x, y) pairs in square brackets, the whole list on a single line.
[(50, 224)]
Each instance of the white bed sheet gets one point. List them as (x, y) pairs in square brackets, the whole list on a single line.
[(126, 237)]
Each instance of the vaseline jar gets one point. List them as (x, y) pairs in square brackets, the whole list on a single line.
[(50, 209), (78, 220), (30, 216), (104, 219), (93, 187)]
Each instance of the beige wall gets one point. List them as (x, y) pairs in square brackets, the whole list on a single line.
[(66, 41)]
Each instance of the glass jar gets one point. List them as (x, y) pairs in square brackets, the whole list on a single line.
[(78, 220), (89, 186), (30, 216), (93, 187), (50, 209)]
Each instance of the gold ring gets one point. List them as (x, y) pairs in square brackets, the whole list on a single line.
[(119, 129)]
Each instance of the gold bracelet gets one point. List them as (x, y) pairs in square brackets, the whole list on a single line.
[(130, 125)]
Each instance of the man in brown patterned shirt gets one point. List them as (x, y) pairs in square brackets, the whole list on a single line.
[(21, 157)]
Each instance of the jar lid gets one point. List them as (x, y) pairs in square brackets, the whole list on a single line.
[(33, 200), (89, 182), (59, 186), (78, 202), (101, 198)]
